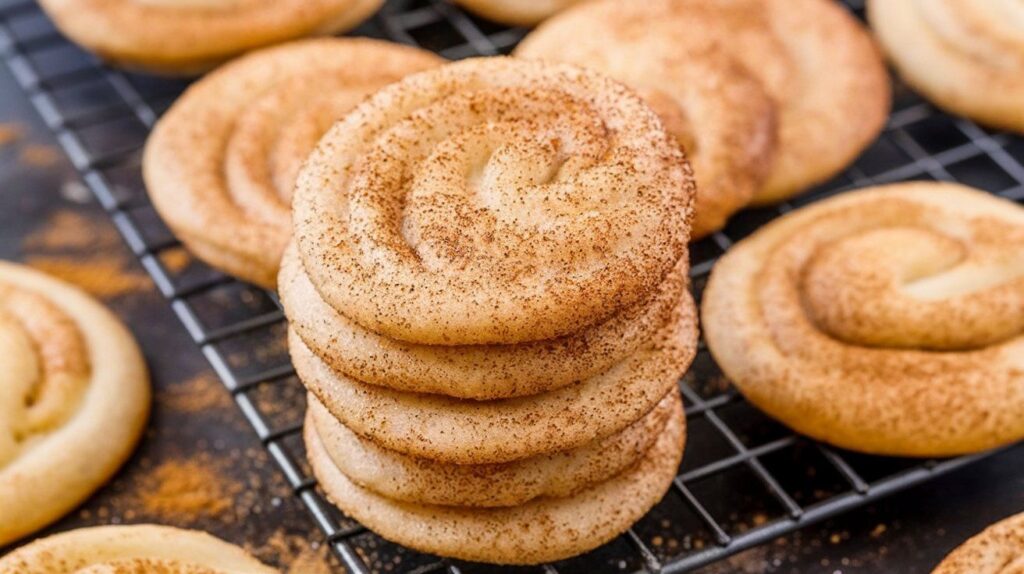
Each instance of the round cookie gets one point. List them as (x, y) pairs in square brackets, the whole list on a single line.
[(485, 432), (543, 530), (999, 549), (913, 351), (139, 548), (221, 163), (966, 56), (175, 37), (481, 372), (412, 479), (716, 109), (492, 201), (74, 398), (516, 12), (817, 63)]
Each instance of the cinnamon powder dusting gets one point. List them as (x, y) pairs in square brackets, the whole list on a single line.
[(186, 489)]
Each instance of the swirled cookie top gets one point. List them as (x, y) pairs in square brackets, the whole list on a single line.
[(46, 370), (493, 201), (990, 32)]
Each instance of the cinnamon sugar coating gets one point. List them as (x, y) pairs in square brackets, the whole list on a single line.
[(966, 56), (139, 549), (187, 38), (999, 549), (221, 164), (492, 201), (887, 320), (74, 398), (544, 530)]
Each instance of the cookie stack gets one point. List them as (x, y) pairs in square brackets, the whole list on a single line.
[(487, 301)]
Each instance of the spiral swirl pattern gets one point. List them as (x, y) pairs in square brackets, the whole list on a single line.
[(140, 549), (73, 399), (192, 36), (221, 164), (999, 549), (965, 55), (888, 320), (492, 201)]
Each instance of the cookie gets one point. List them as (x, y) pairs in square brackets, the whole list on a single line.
[(186, 38), (221, 164), (966, 56), (999, 549), (139, 548), (515, 12), (74, 398), (913, 351)]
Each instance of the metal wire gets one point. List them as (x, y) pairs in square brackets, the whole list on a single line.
[(744, 481)]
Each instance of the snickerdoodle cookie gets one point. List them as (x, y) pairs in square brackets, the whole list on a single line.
[(915, 350), (999, 549), (516, 12), (221, 163), (131, 549), (967, 56), (74, 398), (190, 37)]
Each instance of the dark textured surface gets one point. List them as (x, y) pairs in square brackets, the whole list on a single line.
[(907, 533)]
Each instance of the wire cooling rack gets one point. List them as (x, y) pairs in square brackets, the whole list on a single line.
[(744, 479)]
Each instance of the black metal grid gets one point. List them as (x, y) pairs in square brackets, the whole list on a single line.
[(744, 479)]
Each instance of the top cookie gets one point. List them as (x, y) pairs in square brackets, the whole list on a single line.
[(74, 397), (492, 201), (815, 60), (189, 37), (965, 55)]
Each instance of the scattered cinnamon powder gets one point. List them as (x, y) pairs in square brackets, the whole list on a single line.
[(200, 393), (35, 155), (85, 252), (185, 489), (70, 230), (10, 133), (102, 276), (294, 552), (175, 260)]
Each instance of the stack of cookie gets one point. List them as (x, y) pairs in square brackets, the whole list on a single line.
[(487, 300)]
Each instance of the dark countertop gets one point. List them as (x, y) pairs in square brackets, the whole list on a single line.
[(200, 453)]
